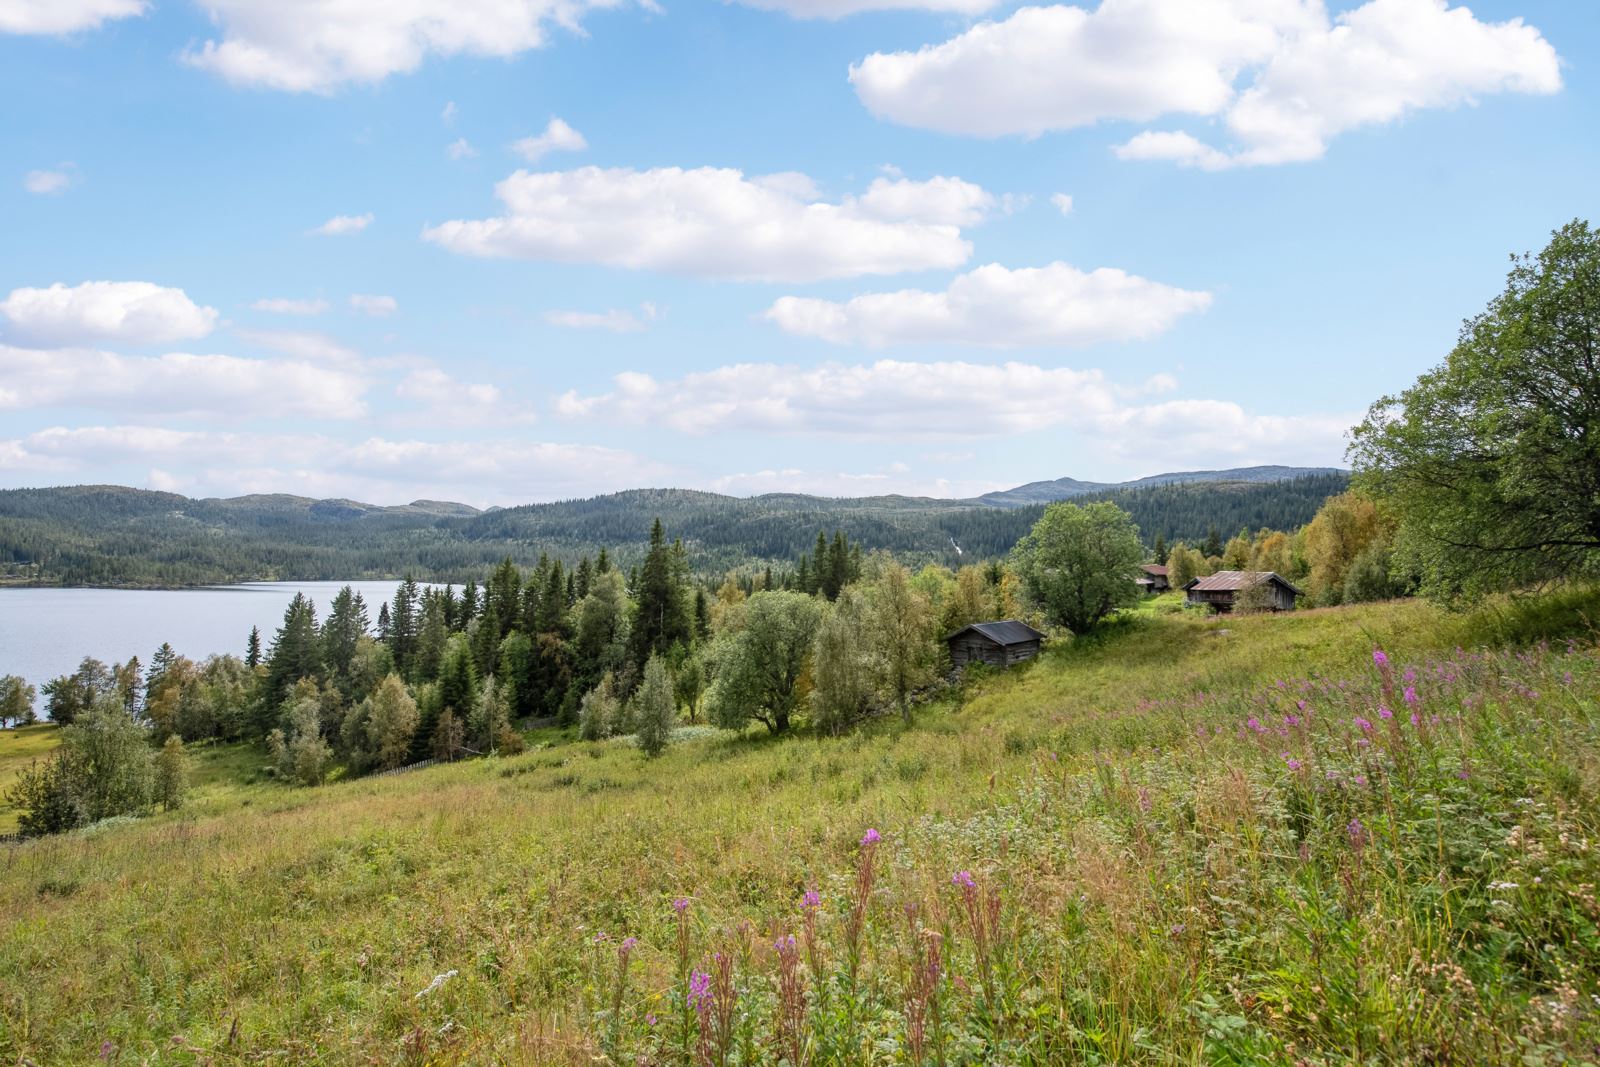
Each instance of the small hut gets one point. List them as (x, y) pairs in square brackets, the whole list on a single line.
[(999, 644), (1220, 591), (1154, 580)]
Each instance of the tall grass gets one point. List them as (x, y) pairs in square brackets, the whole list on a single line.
[(1141, 848)]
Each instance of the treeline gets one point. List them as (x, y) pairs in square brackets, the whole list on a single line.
[(108, 536)]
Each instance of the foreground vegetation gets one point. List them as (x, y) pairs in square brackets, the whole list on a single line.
[(1141, 848)]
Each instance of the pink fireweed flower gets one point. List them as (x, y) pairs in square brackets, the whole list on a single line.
[(680, 905), (1292, 763), (1361, 779), (1357, 832), (627, 945), (1300, 705), (1379, 658), (1416, 720), (871, 837), (963, 879), (650, 1018), (699, 991), (812, 899), (1291, 720), (1411, 695), (1255, 724), (1364, 724), (1409, 676), (1384, 713)]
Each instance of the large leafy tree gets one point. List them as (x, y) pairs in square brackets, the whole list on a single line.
[(1079, 562), (759, 666), (1491, 461)]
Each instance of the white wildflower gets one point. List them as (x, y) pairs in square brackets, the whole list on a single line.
[(438, 980)]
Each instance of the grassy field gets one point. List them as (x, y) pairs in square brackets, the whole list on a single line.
[(1186, 840), (19, 748)]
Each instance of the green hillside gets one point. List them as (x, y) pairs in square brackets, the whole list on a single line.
[(107, 535), (1187, 840)]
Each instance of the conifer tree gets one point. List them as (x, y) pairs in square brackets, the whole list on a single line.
[(252, 648), (296, 649), (346, 624), (659, 620), (404, 624), (469, 604)]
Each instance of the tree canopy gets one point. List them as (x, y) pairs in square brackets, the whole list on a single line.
[(1079, 562), (1491, 461)]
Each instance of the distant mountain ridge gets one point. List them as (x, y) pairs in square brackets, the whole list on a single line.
[(112, 535), (1066, 488)]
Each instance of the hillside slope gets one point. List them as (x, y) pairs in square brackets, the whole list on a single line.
[(1174, 843), (106, 535)]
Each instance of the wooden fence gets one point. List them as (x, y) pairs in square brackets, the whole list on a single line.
[(407, 767)]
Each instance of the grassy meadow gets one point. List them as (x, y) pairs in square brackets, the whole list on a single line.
[(1184, 841), (18, 749)]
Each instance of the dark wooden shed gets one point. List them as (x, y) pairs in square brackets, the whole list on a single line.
[(999, 644), (1155, 579), (1218, 591)]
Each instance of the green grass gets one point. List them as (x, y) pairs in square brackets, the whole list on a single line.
[(19, 748), (1166, 888)]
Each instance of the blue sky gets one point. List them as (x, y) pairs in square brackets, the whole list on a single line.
[(788, 244)]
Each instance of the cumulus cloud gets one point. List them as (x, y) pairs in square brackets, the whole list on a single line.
[(49, 182), (1062, 202), (302, 344), (377, 469), (64, 16), (460, 148), (717, 223), (996, 307), (1282, 75), (891, 400), (130, 312), (838, 9), (285, 306), (176, 384), (615, 320), (341, 225), (376, 306), (317, 46), (444, 400), (895, 479), (557, 137)]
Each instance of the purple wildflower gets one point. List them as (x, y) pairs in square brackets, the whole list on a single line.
[(1384, 713), (627, 945), (1416, 720), (650, 1018), (1294, 764), (699, 991), (1379, 658), (680, 905), (1357, 832), (963, 879), (812, 899), (871, 837), (1255, 724), (1411, 695), (1364, 724)]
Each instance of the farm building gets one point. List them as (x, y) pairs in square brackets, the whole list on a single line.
[(1220, 590), (999, 644), (1154, 579)]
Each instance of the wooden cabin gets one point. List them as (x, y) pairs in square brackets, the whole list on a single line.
[(1219, 591), (999, 644), (1154, 579)]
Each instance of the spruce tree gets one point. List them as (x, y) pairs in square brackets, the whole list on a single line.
[(252, 648), (347, 623), (296, 649), (404, 625), (660, 617), (469, 603)]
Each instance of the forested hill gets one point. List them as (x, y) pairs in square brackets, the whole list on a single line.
[(107, 535)]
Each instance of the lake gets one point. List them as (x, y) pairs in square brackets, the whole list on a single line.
[(44, 632)]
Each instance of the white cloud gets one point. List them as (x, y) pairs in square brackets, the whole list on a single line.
[(376, 306), (460, 148), (838, 9), (717, 223), (1063, 203), (447, 401), (377, 469), (995, 307), (614, 320), (302, 345), (131, 312), (1284, 77), (557, 137), (64, 16), (899, 401), (50, 182), (950, 201), (448, 115), (319, 46), (285, 306), (340, 225), (215, 386)]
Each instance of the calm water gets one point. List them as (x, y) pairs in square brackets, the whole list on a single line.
[(45, 632)]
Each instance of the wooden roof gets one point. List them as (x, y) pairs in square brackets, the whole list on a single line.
[(1235, 581), (1005, 633), (1154, 568)]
